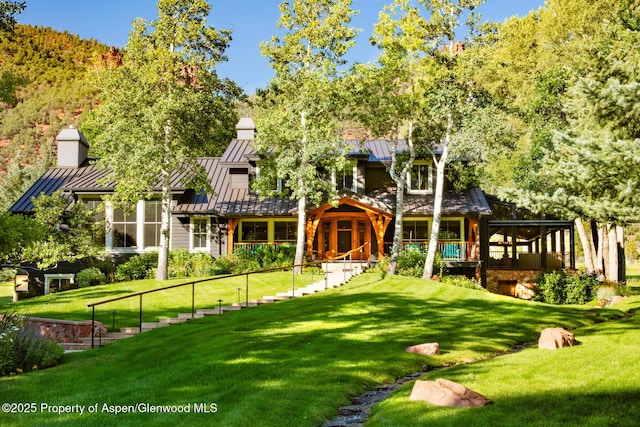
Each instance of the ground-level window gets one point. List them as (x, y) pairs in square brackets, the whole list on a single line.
[(200, 234), (285, 231), (54, 283), (254, 231)]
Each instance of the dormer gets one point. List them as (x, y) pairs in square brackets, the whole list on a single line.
[(72, 148)]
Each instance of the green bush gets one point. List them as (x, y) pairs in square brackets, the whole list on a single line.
[(92, 276), (411, 263), (182, 263), (138, 267), (560, 287), (23, 349), (260, 257), (7, 275), (463, 282)]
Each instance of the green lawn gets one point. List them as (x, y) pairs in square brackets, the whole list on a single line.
[(293, 363), (72, 305)]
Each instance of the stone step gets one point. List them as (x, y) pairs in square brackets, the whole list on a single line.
[(188, 316), (262, 301), (97, 340), (171, 320), (217, 310), (153, 325), (76, 346), (252, 303)]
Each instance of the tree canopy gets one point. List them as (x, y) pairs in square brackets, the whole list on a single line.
[(164, 106), (299, 133)]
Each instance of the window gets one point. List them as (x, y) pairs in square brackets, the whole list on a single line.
[(124, 229), (450, 230), (54, 283), (285, 231), (152, 223), (419, 178), (200, 234), (98, 233), (254, 231), (346, 177), (414, 231)]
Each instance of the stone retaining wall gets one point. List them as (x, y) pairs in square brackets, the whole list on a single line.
[(515, 283), (63, 331)]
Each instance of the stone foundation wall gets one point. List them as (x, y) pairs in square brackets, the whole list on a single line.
[(515, 283), (63, 330)]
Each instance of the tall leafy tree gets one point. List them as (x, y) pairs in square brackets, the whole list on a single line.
[(449, 99), (298, 131), (391, 92), (163, 107)]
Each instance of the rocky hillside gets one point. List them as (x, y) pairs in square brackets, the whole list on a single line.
[(43, 87)]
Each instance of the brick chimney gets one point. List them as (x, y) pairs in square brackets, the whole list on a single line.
[(246, 128), (72, 148)]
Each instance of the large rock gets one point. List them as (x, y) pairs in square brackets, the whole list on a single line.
[(443, 392), (553, 338), (427, 349)]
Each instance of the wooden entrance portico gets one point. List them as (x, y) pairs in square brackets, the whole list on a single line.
[(341, 230)]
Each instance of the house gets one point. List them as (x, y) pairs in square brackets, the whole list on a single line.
[(235, 216)]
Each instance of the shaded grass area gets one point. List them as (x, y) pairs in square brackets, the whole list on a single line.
[(72, 305), (595, 383), (290, 363)]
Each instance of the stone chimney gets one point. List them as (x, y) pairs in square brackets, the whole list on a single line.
[(72, 148), (246, 128)]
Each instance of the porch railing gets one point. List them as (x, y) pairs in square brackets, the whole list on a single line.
[(449, 250)]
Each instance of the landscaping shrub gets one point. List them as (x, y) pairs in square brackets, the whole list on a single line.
[(261, 257), (138, 267), (23, 349), (92, 276), (411, 263), (7, 275), (182, 263), (463, 282), (560, 287)]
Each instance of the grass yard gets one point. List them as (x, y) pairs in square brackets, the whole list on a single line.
[(294, 363), (72, 305)]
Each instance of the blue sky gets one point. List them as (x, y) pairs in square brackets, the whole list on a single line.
[(250, 20)]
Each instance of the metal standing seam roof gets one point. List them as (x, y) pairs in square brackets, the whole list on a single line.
[(227, 201)]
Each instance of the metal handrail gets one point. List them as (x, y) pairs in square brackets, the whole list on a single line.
[(194, 282)]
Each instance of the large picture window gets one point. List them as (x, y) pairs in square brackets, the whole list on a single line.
[(415, 231), (450, 230), (254, 231), (285, 231)]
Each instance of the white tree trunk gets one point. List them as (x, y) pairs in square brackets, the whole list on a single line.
[(163, 255), (301, 239), (587, 246), (435, 226), (400, 180), (437, 203), (599, 264), (612, 266)]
